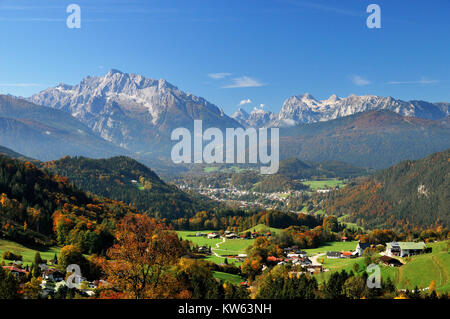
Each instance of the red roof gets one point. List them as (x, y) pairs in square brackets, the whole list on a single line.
[(12, 268), (346, 253)]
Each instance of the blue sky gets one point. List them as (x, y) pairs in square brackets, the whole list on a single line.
[(230, 51)]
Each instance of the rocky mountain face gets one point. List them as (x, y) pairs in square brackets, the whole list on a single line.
[(301, 109), (256, 118), (130, 110)]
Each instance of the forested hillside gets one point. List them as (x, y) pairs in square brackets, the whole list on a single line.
[(124, 179), (411, 194), (37, 208)]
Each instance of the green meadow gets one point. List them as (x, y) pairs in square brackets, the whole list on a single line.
[(333, 246), (234, 279), (417, 271), (261, 228), (201, 241), (324, 184), (26, 252)]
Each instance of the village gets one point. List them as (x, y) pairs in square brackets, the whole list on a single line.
[(392, 254)]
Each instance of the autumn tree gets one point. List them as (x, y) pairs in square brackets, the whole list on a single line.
[(8, 285), (354, 287), (32, 289), (140, 259)]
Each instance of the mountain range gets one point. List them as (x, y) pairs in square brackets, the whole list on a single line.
[(376, 139), (131, 111), (301, 109), (128, 114)]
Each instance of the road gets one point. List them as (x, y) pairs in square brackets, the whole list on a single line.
[(217, 246), (314, 259)]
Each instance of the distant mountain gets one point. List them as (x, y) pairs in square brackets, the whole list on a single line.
[(411, 194), (10, 153), (301, 109), (132, 111), (124, 179), (256, 118), (376, 139), (45, 134)]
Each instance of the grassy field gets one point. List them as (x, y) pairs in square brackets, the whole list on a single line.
[(27, 253), (261, 228), (234, 246), (418, 270), (210, 169), (229, 247), (333, 246), (234, 279), (201, 241), (422, 269), (324, 184)]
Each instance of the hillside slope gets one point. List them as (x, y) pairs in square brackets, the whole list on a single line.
[(124, 179), (38, 208), (45, 134), (9, 152), (376, 139), (411, 194)]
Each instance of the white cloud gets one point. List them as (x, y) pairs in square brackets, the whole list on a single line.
[(247, 101), (421, 81), (359, 80), (242, 82), (218, 76)]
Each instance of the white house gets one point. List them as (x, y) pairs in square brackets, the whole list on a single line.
[(404, 249)]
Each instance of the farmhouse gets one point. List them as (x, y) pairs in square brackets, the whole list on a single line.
[(213, 235), (53, 275), (19, 273), (405, 249), (334, 254)]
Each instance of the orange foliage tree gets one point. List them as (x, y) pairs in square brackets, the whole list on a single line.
[(142, 256)]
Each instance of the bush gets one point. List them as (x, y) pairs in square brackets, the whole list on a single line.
[(7, 255)]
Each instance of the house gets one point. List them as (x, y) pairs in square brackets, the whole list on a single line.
[(213, 235), (53, 275), (360, 247), (232, 236), (19, 273), (389, 261), (333, 254), (347, 254), (344, 239), (405, 249), (305, 262), (203, 249)]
